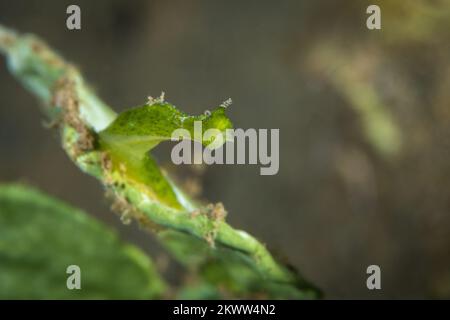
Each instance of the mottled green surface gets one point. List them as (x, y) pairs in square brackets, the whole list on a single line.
[(41, 236), (232, 272)]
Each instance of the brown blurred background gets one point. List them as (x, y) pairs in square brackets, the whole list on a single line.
[(364, 120)]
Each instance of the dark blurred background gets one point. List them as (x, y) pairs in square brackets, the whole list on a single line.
[(364, 120)]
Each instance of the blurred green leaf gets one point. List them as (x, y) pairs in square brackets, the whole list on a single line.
[(41, 236)]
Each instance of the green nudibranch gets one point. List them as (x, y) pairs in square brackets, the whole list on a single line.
[(136, 131)]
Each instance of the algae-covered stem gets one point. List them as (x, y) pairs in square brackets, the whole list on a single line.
[(81, 115)]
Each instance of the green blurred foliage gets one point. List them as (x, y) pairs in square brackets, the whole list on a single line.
[(223, 272), (40, 237)]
